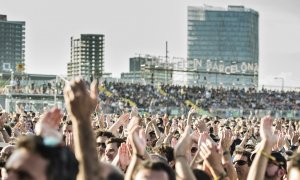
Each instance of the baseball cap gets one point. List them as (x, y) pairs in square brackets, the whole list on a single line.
[(279, 159)]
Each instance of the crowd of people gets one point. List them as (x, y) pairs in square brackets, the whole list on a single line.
[(148, 97), (85, 143)]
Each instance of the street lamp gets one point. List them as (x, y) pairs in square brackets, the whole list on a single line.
[(282, 82)]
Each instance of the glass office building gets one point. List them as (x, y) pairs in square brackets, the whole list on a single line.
[(224, 43), (12, 44)]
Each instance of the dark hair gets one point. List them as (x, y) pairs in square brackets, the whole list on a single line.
[(166, 151), (119, 141), (200, 175), (62, 161), (101, 132), (68, 123), (157, 166), (8, 129), (246, 154), (115, 176)]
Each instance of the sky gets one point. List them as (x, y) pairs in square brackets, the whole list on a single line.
[(133, 27)]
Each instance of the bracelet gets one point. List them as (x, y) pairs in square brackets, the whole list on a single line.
[(139, 156), (267, 155), (223, 175)]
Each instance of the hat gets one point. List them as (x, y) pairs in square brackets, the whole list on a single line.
[(280, 159)]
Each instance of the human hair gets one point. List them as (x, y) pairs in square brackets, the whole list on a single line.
[(119, 141), (101, 132), (62, 162), (200, 175), (8, 129), (68, 123), (244, 153), (166, 151), (157, 166), (295, 161)]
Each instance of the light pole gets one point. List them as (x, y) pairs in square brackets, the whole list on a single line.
[(282, 82)]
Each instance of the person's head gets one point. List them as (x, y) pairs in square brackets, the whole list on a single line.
[(112, 146), (5, 154), (67, 127), (101, 137), (200, 174), (294, 169), (242, 163), (151, 137), (276, 169), (110, 172), (167, 152), (32, 159), (152, 170)]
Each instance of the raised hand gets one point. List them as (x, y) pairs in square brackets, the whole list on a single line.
[(226, 139), (209, 152), (202, 139), (183, 145), (48, 125), (79, 101), (295, 137), (3, 119), (280, 141), (137, 140), (266, 130), (124, 119), (201, 126), (134, 112), (195, 136), (124, 156), (190, 116), (290, 130)]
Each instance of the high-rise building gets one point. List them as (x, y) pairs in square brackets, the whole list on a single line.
[(149, 69), (87, 56), (12, 45), (225, 43)]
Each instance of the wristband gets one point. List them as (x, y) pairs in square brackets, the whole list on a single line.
[(268, 155), (223, 175)]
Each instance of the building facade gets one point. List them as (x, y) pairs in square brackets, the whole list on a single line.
[(149, 69), (87, 56), (225, 43), (12, 45)]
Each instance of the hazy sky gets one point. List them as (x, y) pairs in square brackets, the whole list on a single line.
[(142, 26)]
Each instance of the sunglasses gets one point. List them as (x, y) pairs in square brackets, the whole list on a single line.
[(103, 145), (194, 150), (240, 162)]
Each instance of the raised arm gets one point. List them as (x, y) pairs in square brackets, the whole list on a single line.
[(3, 119), (259, 165), (123, 119), (80, 105), (226, 141), (182, 167), (138, 142)]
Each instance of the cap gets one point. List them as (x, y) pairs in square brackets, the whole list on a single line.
[(280, 159)]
